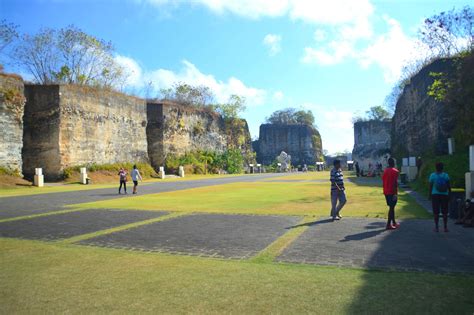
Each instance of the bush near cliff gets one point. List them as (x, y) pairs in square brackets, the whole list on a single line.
[(107, 172), (455, 165), (207, 162)]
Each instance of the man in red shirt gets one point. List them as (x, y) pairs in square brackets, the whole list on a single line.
[(390, 190)]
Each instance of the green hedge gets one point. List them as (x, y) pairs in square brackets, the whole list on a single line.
[(455, 165), (145, 169), (204, 162)]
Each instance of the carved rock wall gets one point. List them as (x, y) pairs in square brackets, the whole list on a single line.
[(302, 142), (371, 142), (422, 124), (174, 129), (11, 122), (68, 125)]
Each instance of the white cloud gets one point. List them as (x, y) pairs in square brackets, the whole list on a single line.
[(319, 35), (333, 53), (189, 73), (335, 126), (278, 96), (273, 43), (311, 11), (392, 50)]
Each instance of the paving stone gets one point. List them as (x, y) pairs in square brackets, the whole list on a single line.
[(229, 236), (365, 243), (60, 226), (11, 207)]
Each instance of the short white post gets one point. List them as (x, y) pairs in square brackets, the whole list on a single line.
[(181, 171), (259, 168), (38, 178), (161, 172), (451, 146), (469, 176), (471, 158), (83, 178), (405, 162)]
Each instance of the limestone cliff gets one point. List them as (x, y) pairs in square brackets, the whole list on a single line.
[(422, 124), (174, 129), (11, 122), (371, 142), (302, 142), (67, 125)]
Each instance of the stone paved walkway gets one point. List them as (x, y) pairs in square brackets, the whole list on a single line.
[(35, 204), (71, 224), (217, 235), (365, 243)]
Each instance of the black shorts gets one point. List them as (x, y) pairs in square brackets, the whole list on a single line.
[(440, 201), (135, 182), (391, 200)]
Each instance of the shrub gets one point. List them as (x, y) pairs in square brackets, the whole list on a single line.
[(146, 170)]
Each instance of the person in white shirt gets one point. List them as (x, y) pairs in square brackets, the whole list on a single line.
[(135, 176)]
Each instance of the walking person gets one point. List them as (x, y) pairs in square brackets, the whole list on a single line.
[(337, 191), (440, 189), (135, 176), (357, 167), (390, 190), (123, 180)]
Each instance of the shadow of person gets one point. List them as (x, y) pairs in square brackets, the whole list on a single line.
[(310, 224), (362, 236)]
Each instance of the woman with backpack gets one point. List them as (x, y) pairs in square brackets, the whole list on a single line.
[(440, 189)]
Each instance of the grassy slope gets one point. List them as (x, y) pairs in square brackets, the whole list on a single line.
[(38, 277)]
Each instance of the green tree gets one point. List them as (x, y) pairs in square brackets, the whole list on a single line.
[(198, 96), (68, 55), (378, 113), (232, 108), (289, 116)]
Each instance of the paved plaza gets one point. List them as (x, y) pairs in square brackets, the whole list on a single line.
[(351, 242)]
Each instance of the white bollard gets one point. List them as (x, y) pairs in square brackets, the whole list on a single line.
[(38, 180), (471, 158), (412, 161), (405, 162), (161, 172), (181, 171), (451, 146), (83, 178)]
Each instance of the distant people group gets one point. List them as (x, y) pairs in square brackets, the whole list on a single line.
[(135, 174), (439, 192)]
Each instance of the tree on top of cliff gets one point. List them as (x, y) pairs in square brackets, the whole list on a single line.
[(291, 116), (186, 94), (202, 97), (8, 34), (449, 33), (375, 113), (68, 55)]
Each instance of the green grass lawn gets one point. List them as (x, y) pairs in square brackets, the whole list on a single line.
[(287, 198), (61, 277), (52, 278)]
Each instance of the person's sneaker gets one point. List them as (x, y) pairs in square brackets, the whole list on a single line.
[(391, 227), (336, 218), (397, 225), (339, 217)]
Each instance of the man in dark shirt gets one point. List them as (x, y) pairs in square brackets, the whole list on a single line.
[(337, 190)]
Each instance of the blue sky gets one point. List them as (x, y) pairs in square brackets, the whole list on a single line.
[(337, 58)]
